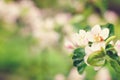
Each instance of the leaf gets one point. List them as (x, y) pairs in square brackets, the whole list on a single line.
[(78, 53), (81, 67), (78, 59), (77, 62), (78, 56), (87, 28), (96, 58), (109, 46), (111, 52), (114, 65)]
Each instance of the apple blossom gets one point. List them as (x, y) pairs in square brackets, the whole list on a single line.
[(98, 49), (97, 34), (69, 45), (117, 47), (79, 39)]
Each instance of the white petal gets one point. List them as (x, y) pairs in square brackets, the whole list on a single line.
[(118, 54), (117, 46), (98, 46), (95, 47), (96, 29), (83, 42), (82, 33), (90, 37), (88, 50), (74, 39), (102, 44), (117, 43), (104, 33), (69, 45)]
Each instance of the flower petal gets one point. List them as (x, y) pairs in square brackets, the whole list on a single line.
[(117, 47), (96, 29), (104, 33), (90, 37), (74, 39), (69, 45), (82, 33), (88, 50), (97, 46)]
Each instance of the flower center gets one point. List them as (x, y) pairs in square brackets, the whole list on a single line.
[(98, 38)]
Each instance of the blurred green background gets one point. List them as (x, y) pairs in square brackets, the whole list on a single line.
[(33, 34)]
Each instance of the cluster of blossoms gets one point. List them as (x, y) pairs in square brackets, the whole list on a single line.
[(35, 21), (95, 48)]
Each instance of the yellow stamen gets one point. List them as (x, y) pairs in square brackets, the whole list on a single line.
[(98, 38)]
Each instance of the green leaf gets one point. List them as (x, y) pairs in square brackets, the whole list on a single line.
[(78, 53), (114, 64), (109, 46), (76, 62), (112, 53), (81, 67), (96, 58), (78, 59), (78, 56), (87, 28)]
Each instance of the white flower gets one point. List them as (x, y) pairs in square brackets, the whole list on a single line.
[(77, 40), (117, 47), (69, 45), (103, 74), (94, 47), (80, 39), (62, 18), (111, 17), (97, 34)]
